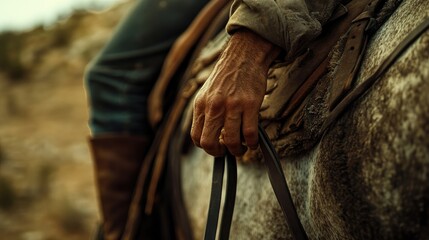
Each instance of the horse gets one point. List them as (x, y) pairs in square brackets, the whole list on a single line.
[(365, 178)]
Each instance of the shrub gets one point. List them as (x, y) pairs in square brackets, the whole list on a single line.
[(7, 194), (70, 217), (44, 177), (10, 55)]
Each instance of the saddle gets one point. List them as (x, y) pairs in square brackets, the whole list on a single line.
[(303, 94), (303, 97)]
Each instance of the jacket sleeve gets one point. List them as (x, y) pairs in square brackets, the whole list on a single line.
[(286, 23)]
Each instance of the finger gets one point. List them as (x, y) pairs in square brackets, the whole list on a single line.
[(197, 124), (197, 129), (250, 128), (209, 141), (232, 134)]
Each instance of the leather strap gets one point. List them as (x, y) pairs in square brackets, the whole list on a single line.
[(278, 182), (181, 48), (183, 228), (231, 189), (216, 196), (303, 68), (280, 187), (173, 117), (349, 64), (365, 85)]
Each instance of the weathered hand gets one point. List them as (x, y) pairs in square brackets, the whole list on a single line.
[(227, 106)]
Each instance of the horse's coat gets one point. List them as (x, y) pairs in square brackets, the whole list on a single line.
[(367, 178)]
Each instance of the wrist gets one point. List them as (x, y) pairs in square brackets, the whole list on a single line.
[(247, 44)]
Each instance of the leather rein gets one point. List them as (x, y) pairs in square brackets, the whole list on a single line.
[(278, 182), (272, 162)]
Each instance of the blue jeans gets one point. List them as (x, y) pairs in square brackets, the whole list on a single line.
[(119, 80)]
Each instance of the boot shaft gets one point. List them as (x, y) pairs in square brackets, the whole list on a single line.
[(117, 161)]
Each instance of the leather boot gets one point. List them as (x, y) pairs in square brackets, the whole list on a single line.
[(117, 161)]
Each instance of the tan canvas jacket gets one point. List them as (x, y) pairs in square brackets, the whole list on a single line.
[(286, 23)]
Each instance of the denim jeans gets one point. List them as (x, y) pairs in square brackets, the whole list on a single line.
[(119, 80)]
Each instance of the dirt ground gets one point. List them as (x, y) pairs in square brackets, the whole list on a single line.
[(46, 180)]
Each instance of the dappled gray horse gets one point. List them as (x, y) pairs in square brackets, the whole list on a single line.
[(368, 175)]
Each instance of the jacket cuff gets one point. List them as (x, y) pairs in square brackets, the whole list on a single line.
[(289, 27)]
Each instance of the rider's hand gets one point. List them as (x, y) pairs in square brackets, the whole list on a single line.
[(227, 106)]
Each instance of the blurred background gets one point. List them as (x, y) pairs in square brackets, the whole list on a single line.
[(46, 181)]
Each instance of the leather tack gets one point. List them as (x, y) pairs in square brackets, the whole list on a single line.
[(278, 183), (293, 77), (355, 46)]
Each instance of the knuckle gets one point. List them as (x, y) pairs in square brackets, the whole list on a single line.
[(216, 104), (208, 145), (250, 134), (251, 102), (194, 135), (211, 147), (232, 143), (234, 104), (199, 104)]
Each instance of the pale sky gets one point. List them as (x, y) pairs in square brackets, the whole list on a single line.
[(24, 14)]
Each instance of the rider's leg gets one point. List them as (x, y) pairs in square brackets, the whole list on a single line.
[(118, 82)]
